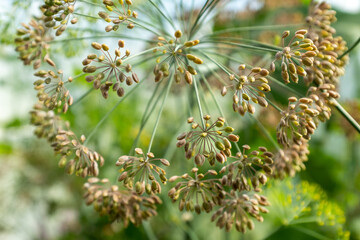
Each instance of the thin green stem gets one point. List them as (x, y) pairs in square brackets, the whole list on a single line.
[(85, 15), (201, 13), (146, 116), (148, 230), (350, 49), (274, 105), (99, 36), (82, 97), (247, 40), (269, 77), (266, 132), (144, 27), (109, 112), (346, 115), (198, 101), (253, 28), (163, 14), (310, 232), (160, 112), (216, 103), (241, 45)]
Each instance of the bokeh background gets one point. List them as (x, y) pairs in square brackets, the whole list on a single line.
[(39, 201)]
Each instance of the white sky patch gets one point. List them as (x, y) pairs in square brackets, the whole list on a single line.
[(350, 6)]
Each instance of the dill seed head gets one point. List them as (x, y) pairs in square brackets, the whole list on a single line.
[(176, 54), (51, 89), (297, 122), (320, 18), (237, 209), (298, 54), (199, 193), (76, 157), (244, 172), (137, 172), (327, 68), (248, 87), (211, 142), (57, 14), (119, 13), (32, 42), (290, 160), (113, 67), (119, 205), (301, 118)]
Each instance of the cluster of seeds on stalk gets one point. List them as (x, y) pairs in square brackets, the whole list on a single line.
[(138, 172), (123, 14), (176, 53), (119, 205), (295, 56), (248, 88), (243, 174), (108, 69), (45, 122), (320, 18), (322, 96), (32, 42), (236, 209), (58, 14), (327, 66), (198, 193), (211, 141), (302, 116), (297, 122), (52, 90), (83, 161), (76, 157), (289, 160)]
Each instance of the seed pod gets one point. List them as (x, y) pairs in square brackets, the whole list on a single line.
[(292, 68), (96, 45), (251, 108), (199, 159), (223, 91), (272, 67), (262, 179), (121, 43), (285, 76), (135, 77), (164, 162), (129, 81), (188, 77), (120, 92), (177, 77), (307, 61), (233, 137), (262, 101), (191, 70), (264, 72), (227, 143), (89, 69), (220, 158), (159, 76), (108, 28), (285, 34)]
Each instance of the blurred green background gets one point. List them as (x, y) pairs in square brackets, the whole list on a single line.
[(39, 201)]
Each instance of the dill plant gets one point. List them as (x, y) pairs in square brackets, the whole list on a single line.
[(182, 55)]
